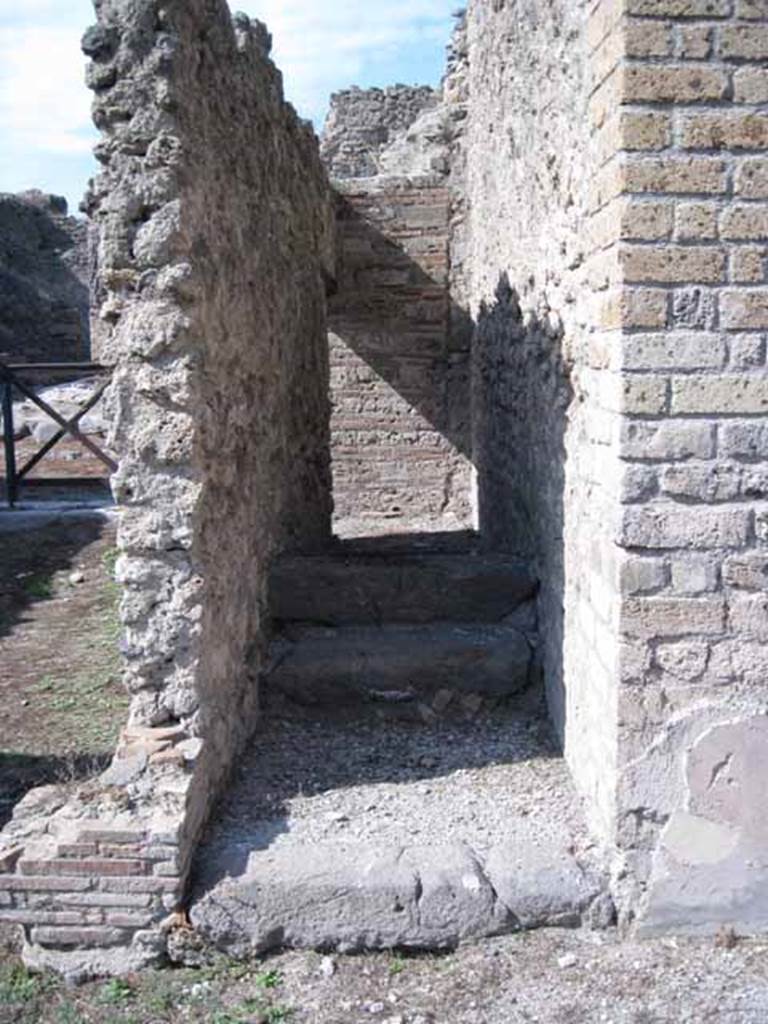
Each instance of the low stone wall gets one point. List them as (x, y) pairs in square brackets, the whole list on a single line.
[(44, 280), (215, 244)]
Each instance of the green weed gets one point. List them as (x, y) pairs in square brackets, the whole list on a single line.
[(17, 985), (269, 979), (39, 588), (116, 992)]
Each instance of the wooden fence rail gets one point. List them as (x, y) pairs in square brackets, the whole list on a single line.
[(16, 376)]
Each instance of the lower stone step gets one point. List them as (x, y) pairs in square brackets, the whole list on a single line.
[(361, 897), (316, 665), (346, 834)]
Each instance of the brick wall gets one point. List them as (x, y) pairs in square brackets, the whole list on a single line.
[(400, 398), (686, 84), (617, 182), (400, 434)]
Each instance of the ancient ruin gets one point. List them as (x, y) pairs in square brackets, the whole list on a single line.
[(471, 413), (44, 280)]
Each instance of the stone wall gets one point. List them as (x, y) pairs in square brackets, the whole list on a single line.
[(215, 242), (545, 418), (399, 363), (687, 91), (619, 285), (361, 123), (44, 279)]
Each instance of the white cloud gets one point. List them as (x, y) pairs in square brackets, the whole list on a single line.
[(44, 104), (324, 47), (45, 120)]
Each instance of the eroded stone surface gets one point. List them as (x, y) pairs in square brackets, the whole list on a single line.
[(342, 590), (350, 664), (711, 868)]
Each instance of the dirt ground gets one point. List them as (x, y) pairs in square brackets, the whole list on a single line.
[(61, 701), (61, 704), (549, 977)]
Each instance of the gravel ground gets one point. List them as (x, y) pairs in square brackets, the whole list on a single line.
[(394, 782), (545, 977)]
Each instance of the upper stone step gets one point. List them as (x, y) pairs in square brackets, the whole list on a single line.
[(341, 589)]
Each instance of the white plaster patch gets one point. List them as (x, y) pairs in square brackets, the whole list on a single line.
[(694, 840)]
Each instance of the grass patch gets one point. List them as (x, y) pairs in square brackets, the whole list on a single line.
[(269, 979), (18, 986), (116, 992), (39, 588)]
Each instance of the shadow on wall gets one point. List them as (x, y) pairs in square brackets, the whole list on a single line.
[(421, 393), (521, 394), (399, 365), (44, 294)]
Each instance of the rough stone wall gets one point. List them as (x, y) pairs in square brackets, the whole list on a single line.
[(215, 242), (399, 368), (44, 279), (361, 123), (688, 93), (544, 405)]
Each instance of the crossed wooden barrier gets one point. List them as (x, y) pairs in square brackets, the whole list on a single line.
[(12, 376)]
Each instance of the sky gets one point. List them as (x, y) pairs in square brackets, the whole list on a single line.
[(45, 128)]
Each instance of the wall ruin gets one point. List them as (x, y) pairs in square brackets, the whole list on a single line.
[(579, 226), (44, 280), (215, 233)]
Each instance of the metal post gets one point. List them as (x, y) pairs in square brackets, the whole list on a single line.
[(10, 449)]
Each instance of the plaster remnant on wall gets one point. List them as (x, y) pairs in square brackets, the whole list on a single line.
[(711, 869)]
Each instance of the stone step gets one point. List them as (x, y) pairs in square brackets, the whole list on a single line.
[(346, 835), (397, 663), (344, 589), (360, 897)]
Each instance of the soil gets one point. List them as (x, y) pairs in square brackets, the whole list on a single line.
[(61, 701), (545, 977)]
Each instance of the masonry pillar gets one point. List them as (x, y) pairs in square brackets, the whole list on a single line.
[(682, 90)]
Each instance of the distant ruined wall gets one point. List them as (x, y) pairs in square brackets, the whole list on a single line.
[(44, 280), (361, 123), (215, 243), (399, 365)]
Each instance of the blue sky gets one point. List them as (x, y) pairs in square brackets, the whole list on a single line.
[(45, 129)]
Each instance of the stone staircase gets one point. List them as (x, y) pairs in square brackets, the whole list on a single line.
[(418, 631), (404, 790)]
